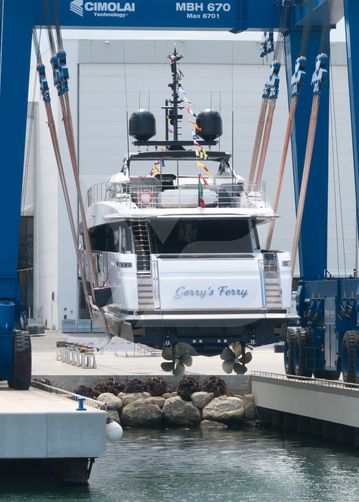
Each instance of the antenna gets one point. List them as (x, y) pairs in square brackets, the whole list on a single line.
[(220, 111), (233, 139), (128, 135), (175, 102)]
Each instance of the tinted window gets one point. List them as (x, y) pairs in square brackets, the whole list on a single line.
[(200, 236), (114, 237)]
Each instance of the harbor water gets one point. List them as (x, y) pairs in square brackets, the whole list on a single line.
[(187, 465)]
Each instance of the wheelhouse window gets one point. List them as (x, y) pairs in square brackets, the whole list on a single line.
[(202, 236), (111, 237)]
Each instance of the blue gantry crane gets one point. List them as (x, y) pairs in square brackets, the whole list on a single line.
[(327, 340)]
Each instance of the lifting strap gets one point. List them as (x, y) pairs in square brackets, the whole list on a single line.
[(296, 84), (318, 78), (61, 76), (45, 92), (271, 90), (265, 121), (265, 141), (258, 140)]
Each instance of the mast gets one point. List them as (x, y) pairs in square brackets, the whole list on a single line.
[(175, 102)]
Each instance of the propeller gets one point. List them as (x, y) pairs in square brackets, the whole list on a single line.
[(177, 361), (235, 359)]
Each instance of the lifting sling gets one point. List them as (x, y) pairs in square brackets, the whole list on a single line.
[(45, 92), (318, 78), (264, 126), (296, 83)]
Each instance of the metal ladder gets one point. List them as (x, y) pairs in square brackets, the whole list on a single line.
[(144, 275), (272, 282)]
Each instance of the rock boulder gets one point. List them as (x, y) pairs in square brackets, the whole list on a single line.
[(201, 399), (160, 401), (133, 396), (113, 414), (167, 395), (228, 410), (111, 401), (207, 425), (141, 413), (179, 412)]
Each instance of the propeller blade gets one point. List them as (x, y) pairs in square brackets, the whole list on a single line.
[(239, 368), (227, 367), (167, 366), (237, 349), (227, 354), (247, 358), (186, 359), (167, 353), (182, 348), (179, 369)]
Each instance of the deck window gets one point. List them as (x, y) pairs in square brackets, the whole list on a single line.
[(195, 235), (112, 237)]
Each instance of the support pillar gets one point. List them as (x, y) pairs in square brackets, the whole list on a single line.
[(345, 435), (351, 13), (15, 51), (277, 420), (289, 422), (313, 237), (329, 431), (303, 424), (316, 428)]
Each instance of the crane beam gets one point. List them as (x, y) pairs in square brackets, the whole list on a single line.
[(313, 240), (351, 26)]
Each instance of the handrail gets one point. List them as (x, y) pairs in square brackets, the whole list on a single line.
[(148, 193), (308, 380), (69, 395)]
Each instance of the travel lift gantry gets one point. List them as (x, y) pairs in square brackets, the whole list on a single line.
[(327, 338)]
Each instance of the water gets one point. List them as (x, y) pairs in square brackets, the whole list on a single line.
[(184, 465)]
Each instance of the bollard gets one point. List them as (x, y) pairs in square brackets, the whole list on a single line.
[(81, 406)]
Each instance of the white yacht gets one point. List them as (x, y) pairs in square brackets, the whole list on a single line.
[(177, 251)]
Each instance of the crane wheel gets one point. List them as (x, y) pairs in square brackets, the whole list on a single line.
[(21, 377), (289, 351), (302, 361), (350, 349)]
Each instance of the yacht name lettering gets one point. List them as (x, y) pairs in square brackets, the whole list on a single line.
[(202, 293), (227, 291), (183, 292)]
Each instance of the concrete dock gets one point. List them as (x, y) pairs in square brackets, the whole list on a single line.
[(324, 408), (48, 429)]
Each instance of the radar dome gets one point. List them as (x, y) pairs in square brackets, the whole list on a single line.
[(209, 124), (142, 125)]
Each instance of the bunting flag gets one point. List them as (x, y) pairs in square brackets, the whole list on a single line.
[(204, 180), (155, 170), (200, 152), (170, 130), (205, 168), (200, 193), (158, 165)]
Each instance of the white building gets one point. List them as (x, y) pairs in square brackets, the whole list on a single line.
[(112, 77)]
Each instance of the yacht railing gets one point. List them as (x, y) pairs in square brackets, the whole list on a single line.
[(146, 193)]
